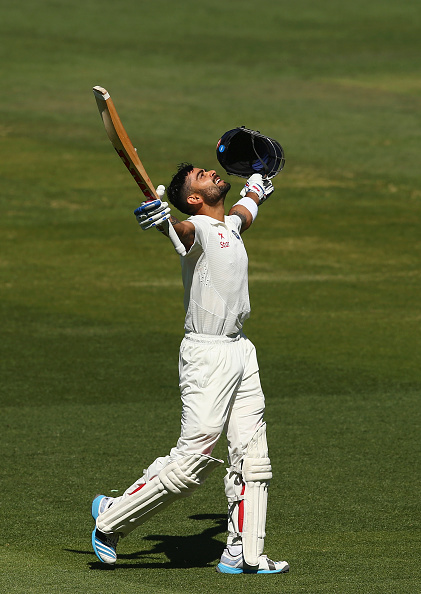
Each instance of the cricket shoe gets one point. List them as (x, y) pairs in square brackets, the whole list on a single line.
[(236, 564), (104, 545)]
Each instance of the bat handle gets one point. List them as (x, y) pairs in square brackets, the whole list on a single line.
[(170, 231)]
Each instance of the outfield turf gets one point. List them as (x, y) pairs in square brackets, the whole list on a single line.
[(91, 307)]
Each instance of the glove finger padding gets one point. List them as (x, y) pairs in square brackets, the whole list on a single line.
[(152, 213), (268, 189), (260, 186), (150, 206), (254, 184), (155, 220)]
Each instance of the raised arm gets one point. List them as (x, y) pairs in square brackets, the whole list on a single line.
[(156, 214), (254, 193), (185, 231), (244, 209)]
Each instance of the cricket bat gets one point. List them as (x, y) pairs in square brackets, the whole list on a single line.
[(128, 154)]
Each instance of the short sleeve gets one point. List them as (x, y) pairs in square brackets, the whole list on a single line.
[(200, 235), (235, 220)]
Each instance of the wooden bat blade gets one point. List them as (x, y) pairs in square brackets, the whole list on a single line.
[(127, 153), (122, 143)]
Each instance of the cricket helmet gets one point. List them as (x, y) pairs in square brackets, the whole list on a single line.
[(242, 152)]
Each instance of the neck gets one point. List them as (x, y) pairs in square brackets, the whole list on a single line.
[(216, 211)]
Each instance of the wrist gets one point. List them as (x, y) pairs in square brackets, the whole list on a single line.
[(250, 204), (251, 194)]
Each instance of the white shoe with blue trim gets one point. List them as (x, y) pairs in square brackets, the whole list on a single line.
[(104, 545), (235, 564)]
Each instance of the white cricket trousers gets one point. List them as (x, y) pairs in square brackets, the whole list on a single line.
[(220, 392)]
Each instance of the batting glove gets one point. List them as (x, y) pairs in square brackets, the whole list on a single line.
[(268, 186), (153, 213), (256, 184)]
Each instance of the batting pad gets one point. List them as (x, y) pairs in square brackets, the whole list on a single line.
[(178, 479), (257, 472)]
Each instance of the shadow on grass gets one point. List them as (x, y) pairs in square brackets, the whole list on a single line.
[(196, 550)]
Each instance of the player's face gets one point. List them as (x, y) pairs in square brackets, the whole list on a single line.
[(209, 185)]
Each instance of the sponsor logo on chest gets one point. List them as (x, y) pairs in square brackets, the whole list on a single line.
[(223, 242)]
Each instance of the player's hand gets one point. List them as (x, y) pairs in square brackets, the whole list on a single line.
[(263, 188), (268, 187), (152, 213)]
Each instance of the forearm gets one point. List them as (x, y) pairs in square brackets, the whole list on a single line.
[(246, 215), (254, 193), (184, 230)]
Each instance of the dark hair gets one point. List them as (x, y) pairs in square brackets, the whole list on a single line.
[(179, 188)]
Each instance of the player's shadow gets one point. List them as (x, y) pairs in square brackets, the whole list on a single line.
[(197, 550)]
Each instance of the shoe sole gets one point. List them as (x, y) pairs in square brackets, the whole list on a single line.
[(100, 548), (222, 568)]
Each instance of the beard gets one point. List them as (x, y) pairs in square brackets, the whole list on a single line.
[(215, 194)]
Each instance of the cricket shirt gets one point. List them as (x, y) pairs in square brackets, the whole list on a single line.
[(215, 278)]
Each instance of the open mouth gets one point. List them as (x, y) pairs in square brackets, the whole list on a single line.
[(217, 180)]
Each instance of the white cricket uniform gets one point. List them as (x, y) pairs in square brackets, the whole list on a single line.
[(215, 278), (218, 370), (219, 379)]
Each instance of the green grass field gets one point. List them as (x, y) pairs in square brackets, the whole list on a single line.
[(91, 308)]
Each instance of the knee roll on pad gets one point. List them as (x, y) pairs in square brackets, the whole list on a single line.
[(178, 479), (257, 469)]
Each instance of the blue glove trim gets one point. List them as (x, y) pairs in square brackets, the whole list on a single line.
[(145, 206)]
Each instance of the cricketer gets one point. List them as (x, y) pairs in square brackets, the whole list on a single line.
[(218, 372)]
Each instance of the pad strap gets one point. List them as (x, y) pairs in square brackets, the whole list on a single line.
[(234, 491)]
